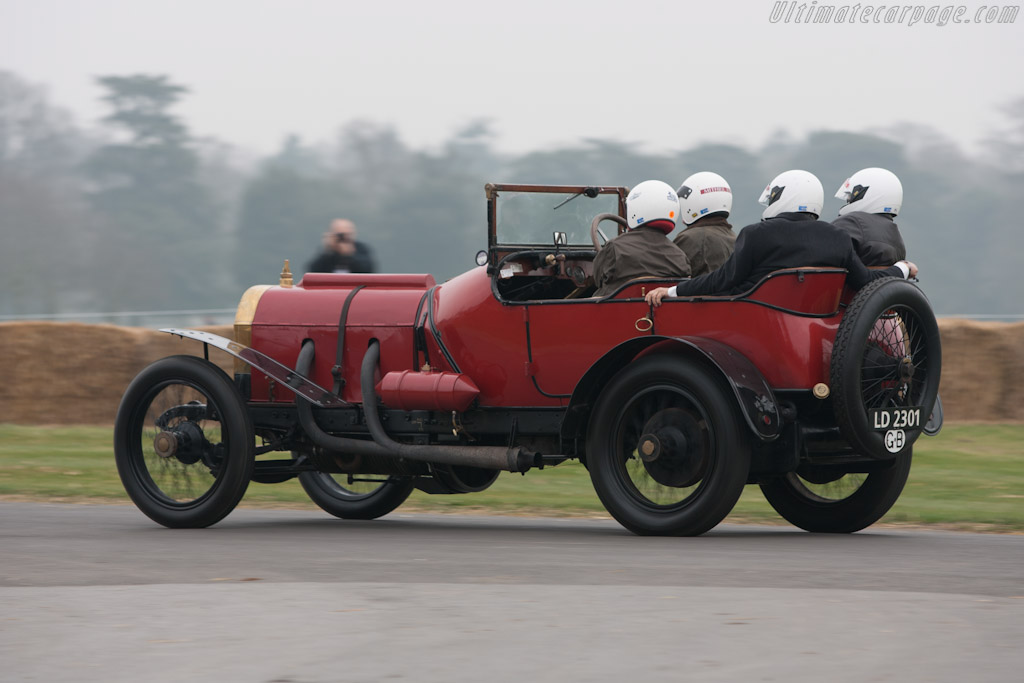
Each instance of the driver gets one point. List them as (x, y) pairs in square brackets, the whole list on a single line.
[(873, 197), (645, 250), (705, 200), (789, 236)]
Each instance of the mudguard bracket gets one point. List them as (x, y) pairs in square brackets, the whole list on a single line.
[(303, 387)]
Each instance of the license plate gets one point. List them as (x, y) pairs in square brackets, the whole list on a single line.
[(884, 419)]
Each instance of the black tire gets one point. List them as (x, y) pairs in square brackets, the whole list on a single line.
[(693, 477), (364, 497), (183, 443), (887, 354), (848, 503)]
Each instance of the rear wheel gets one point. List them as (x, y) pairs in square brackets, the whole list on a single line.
[(666, 451), (183, 442), (841, 503), (356, 496)]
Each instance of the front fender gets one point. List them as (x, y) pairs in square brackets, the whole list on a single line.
[(302, 386), (753, 395)]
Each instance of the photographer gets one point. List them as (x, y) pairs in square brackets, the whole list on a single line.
[(342, 253)]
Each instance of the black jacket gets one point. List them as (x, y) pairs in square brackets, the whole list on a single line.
[(789, 240), (333, 262), (875, 236)]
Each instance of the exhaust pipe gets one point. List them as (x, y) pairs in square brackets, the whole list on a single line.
[(488, 457)]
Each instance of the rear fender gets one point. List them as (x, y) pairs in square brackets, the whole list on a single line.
[(752, 394)]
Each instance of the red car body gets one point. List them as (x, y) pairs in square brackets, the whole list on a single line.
[(533, 353), (512, 365)]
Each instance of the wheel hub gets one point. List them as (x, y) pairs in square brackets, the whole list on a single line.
[(649, 448), (183, 441), (907, 369), (165, 444), (673, 448)]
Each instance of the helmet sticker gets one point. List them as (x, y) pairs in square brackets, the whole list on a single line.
[(776, 194)]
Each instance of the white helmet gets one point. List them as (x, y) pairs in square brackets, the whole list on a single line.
[(703, 194), (652, 200), (872, 190), (793, 191)]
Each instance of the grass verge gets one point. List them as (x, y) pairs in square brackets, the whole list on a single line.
[(971, 476)]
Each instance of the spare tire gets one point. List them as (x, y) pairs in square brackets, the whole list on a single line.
[(885, 369)]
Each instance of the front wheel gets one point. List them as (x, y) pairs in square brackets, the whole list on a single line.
[(359, 497), (183, 442), (666, 450), (839, 504)]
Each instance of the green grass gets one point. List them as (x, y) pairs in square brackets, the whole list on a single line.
[(970, 476)]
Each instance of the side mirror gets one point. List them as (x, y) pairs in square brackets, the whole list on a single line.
[(481, 257)]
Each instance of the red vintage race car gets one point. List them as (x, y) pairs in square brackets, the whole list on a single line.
[(369, 386)]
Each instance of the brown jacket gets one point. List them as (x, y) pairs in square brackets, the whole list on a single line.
[(708, 243), (641, 252)]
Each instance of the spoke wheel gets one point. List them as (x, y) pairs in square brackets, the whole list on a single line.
[(887, 354), (665, 451), (841, 504), (183, 442), (357, 496)]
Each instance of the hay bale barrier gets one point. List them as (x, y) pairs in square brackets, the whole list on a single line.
[(982, 370), (71, 373)]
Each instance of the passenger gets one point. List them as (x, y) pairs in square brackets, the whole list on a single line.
[(705, 200), (789, 236), (644, 251), (873, 197)]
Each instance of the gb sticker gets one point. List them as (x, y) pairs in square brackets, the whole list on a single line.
[(895, 439)]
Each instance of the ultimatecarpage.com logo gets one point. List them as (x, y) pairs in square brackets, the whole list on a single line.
[(814, 13)]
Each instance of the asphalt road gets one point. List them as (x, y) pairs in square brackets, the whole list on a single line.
[(100, 593)]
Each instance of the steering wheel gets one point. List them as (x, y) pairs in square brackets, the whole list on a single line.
[(596, 235)]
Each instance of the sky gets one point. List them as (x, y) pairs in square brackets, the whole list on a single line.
[(661, 75)]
